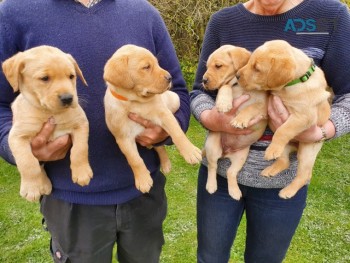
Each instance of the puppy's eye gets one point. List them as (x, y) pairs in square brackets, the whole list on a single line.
[(45, 78), (218, 66), (71, 76), (147, 67)]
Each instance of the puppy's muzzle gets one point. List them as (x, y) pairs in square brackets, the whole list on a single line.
[(66, 99), (205, 81), (168, 78)]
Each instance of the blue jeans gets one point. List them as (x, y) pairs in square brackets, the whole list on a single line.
[(271, 222)]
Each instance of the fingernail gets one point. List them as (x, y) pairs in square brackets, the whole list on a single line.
[(132, 115), (52, 120)]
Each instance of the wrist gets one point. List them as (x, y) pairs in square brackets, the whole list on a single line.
[(323, 135), (208, 119)]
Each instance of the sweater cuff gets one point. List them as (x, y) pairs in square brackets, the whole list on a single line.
[(341, 120), (201, 103), (5, 151)]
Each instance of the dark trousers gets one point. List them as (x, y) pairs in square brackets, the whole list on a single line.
[(87, 233), (271, 222)]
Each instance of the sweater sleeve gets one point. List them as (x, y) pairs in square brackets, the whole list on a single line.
[(201, 99), (7, 96), (336, 64), (167, 57)]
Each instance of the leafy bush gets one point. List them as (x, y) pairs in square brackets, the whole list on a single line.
[(187, 20)]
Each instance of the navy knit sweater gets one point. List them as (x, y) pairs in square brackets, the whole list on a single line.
[(91, 36), (320, 27)]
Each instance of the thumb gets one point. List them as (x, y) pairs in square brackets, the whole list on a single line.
[(44, 134), (236, 103)]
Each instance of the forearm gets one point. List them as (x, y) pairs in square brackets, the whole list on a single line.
[(340, 115), (5, 151), (200, 103)]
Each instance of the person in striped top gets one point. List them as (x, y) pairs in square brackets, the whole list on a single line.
[(321, 28)]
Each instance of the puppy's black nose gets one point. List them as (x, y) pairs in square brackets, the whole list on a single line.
[(66, 99), (238, 76), (168, 78), (205, 81)]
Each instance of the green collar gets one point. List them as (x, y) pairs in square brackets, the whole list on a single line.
[(304, 77)]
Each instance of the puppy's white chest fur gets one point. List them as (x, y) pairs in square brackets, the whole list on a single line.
[(117, 116), (32, 119)]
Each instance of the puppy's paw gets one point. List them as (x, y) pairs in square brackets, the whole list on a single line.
[(273, 151), (269, 171), (33, 189), (82, 174), (165, 166), (239, 123), (211, 186), (288, 192), (223, 105), (278, 166), (235, 193), (192, 154), (144, 182)]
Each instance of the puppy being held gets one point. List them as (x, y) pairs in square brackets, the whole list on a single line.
[(137, 84), (46, 79), (290, 74), (222, 66)]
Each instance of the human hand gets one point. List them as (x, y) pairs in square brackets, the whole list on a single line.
[(152, 134), (220, 122), (44, 149), (278, 114)]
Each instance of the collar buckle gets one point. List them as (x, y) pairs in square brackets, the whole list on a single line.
[(305, 77)]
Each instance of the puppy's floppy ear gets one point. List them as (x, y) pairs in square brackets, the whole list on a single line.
[(281, 72), (116, 72), (239, 56), (77, 69), (12, 68)]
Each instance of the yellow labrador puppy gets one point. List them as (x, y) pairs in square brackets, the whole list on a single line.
[(289, 73), (222, 66), (46, 79), (136, 83)]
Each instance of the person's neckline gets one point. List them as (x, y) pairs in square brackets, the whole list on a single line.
[(82, 8), (288, 13)]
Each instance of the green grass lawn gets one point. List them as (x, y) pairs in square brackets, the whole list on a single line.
[(323, 234)]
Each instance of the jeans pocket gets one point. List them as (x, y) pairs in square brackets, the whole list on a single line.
[(57, 253)]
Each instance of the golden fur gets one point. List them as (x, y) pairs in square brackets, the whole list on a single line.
[(141, 86), (270, 68), (46, 79), (222, 67)]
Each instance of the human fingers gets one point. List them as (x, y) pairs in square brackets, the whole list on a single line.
[(277, 110), (236, 103), (53, 150), (256, 120), (152, 134), (142, 121), (59, 147), (44, 134)]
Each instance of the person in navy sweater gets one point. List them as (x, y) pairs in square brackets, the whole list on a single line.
[(321, 28), (86, 222)]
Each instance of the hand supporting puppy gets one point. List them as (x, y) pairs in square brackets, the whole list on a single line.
[(213, 120), (44, 149), (278, 114), (152, 134)]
